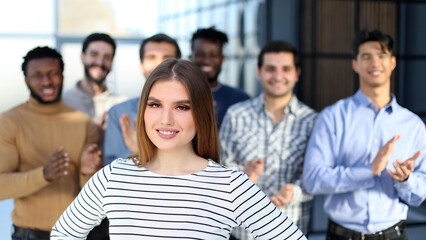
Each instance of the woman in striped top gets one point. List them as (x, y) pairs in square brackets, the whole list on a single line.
[(174, 188)]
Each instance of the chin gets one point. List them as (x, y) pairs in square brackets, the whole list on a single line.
[(166, 148)]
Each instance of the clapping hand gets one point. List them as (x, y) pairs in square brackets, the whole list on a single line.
[(129, 133), (57, 165), (284, 196), (91, 160), (254, 168), (403, 169)]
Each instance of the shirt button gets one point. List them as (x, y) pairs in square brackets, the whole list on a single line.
[(375, 140)]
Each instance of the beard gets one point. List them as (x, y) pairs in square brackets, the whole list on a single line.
[(40, 100), (214, 78), (98, 81)]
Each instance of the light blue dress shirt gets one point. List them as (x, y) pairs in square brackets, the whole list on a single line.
[(343, 144), (114, 146)]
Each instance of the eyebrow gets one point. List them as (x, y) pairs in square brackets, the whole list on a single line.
[(381, 51), (177, 102)]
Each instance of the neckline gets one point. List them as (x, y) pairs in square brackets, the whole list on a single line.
[(46, 109), (209, 164)]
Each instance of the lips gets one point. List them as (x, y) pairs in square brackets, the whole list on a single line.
[(375, 73), (97, 70), (48, 91), (167, 133), (100, 67), (206, 68)]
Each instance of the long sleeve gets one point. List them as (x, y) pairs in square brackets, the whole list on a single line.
[(92, 136), (15, 184), (322, 174), (86, 211), (413, 190), (345, 142), (258, 214)]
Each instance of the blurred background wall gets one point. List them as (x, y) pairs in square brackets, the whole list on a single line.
[(320, 29)]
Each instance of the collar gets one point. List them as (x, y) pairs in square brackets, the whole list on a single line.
[(291, 107), (362, 100), (45, 109), (215, 89), (82, 94)]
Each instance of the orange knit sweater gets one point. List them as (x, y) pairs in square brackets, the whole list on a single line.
[(29, 134)]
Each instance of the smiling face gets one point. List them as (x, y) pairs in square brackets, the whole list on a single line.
[(168, 117), (374, 65), (207, 55), (97, 61), (278, 74), (44, 79)]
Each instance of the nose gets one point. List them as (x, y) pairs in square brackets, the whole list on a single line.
[(157, 61), (279, 74), (46, 80), (167, 117), (99, 61), (205, 60), (375, 61)]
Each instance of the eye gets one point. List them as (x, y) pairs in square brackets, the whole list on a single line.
[(269, 69), (37, 76), (149, 57), (287, 69), (366, 57), (199, 55), (108, 58), (93, 54), (154, 105), (53, 74), (382, 55), (183, 107)]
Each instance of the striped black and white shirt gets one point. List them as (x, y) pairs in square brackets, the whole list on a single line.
[(144, 205), (248, 133)]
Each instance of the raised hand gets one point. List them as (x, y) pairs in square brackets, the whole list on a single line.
[(57, 165), (91, 160), (283, 197), (254, 168), (381, 160), (129, 134), (403, 169)]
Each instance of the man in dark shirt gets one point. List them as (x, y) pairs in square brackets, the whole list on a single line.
[(207, 45)]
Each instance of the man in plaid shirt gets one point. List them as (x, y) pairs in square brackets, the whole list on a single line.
[(266, 137)]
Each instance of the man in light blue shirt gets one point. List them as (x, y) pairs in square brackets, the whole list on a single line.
[(120, 134), (365, 152)]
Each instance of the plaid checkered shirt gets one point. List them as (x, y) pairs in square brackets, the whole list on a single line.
[(248, 133)]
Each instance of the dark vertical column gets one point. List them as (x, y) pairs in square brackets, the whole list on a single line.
[(400, 43), (355, 80), (314, 55)]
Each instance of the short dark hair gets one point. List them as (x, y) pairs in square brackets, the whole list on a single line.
[(375, 35), (98, 37), (209, 34), (277, 47), (41, 52), (160, 37)]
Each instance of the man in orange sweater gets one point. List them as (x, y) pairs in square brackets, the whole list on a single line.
[(47, 149)]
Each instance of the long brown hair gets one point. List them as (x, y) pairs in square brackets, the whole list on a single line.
[(205, 142)]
